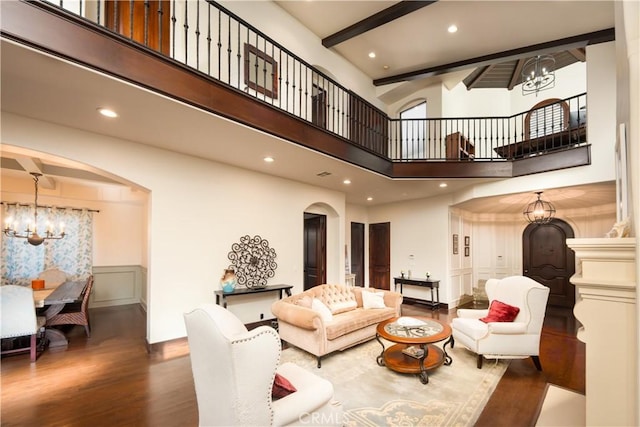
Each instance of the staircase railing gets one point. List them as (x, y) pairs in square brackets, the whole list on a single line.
[(212, 40)]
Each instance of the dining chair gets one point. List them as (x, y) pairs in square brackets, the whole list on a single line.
[(19, 320), (71, 314), (53, 277)]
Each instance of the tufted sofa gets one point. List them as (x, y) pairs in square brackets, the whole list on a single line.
[(351, 323)]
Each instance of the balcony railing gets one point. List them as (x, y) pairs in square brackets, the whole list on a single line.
[(210, 39)]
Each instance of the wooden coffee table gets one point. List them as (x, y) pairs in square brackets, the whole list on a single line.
[(420, 333)]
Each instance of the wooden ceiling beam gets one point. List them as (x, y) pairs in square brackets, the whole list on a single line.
[(579, 54), (515, 77), (376, 20), (574, 42)]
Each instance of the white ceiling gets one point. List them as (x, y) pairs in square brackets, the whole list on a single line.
[(49, 89), (420, 39)]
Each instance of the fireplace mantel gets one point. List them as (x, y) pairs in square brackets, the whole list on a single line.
[(606, 306)]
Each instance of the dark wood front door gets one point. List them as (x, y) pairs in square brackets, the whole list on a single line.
[(547, 259), (357, 252), (315, 256), (379, 255), (149, 27)]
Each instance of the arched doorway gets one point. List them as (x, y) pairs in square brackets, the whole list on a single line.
[(547, 259)]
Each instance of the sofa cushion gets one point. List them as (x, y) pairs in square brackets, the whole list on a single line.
[(501, 312), (355, 319), (338, 298), (372, 299), (319, 307), (281, 387)]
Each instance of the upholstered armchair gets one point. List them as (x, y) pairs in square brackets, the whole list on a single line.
[(234, 371), (504, 339), (19, 319)]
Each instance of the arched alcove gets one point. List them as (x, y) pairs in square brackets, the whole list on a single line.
[(334, 253)]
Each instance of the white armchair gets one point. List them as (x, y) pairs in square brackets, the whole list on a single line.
[(234, 370), (19, 319), (505, 340)]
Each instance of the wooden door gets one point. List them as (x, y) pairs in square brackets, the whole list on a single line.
[(149, 27), (319, 106), (547, 259), (357, 252), (379, 255), (315, 256)]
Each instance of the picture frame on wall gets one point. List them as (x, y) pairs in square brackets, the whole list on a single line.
[(455, 244), (260, 71)]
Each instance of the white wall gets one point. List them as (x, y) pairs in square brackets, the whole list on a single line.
[(197, 210), (419, 228)]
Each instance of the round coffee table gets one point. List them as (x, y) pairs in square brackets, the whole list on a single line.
[(416, 333)]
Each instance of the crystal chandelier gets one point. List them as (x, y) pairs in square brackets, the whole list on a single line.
[(537, 74), (540, 211), (31, 232)]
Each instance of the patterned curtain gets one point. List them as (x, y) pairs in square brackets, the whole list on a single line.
[(22, 262)]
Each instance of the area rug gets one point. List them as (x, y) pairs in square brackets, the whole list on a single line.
[(373, 395)]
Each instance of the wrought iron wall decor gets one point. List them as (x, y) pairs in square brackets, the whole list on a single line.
[(253, 261)]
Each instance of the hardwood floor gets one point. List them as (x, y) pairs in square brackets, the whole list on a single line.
[(111, 380)]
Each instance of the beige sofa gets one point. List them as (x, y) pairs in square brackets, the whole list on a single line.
[(303, 324)]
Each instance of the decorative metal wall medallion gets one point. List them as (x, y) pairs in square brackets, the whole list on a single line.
[(253, 261)]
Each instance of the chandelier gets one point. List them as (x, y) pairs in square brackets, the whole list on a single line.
[(537, 74), (540, 211), (31, 231)]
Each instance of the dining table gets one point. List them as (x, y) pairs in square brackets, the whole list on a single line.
[(53, 300)]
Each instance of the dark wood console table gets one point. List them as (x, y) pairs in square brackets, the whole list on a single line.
[(250, 291), (427, 283)]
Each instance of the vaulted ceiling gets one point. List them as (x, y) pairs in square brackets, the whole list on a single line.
[(412, 49)]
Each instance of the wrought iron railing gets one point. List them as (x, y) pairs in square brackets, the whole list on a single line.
[(212, 40), (559, 125)]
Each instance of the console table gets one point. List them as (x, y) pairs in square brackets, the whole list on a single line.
[(427, 283), (250, 291)]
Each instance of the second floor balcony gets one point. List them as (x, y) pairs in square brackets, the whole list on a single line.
[(200, 53)]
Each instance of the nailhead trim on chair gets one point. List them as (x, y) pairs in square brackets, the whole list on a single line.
[(269, 389)]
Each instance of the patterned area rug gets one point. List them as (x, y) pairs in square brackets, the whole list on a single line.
[(376, 396)]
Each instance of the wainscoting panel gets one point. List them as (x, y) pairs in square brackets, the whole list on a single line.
[(116, 285)]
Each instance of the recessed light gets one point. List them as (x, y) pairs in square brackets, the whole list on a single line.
[(385, 67), (369, 198), (443, 184), (107, 112), (268, 159), (346, 181), (372, 55), (452, 28)]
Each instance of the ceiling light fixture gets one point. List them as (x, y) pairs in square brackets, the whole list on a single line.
[(540, 211), (346, 181), (269, 159), (452, 28), (107, 112), (372, 55), (538, 74), (31, 232), (443, 184), (369, 198)]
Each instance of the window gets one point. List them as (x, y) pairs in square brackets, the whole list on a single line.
[(413, 132), (73, 254)]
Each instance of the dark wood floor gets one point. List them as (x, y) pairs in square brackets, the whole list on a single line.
[(111, 380)]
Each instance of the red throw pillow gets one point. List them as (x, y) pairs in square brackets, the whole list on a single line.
[(281, 387), (501, 312)]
